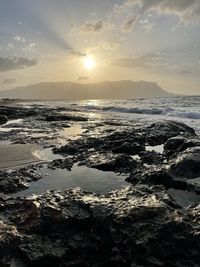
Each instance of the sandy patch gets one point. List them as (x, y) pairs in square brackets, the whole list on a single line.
[(17, 155)]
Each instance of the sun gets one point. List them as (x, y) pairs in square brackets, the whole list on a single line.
[(89, 62)]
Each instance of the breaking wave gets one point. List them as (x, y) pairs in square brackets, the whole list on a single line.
[(148, 111)]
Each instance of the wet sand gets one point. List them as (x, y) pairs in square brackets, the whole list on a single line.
[(17, 155)]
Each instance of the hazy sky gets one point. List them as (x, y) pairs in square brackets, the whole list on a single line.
[(151, 40)]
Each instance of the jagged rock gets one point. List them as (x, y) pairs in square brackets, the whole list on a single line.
[(140, 225), (130, 141), (17, 112), (9, 241), (151, 157), (3, 119), (179, 144), (69, 149), (186, 164), (61, 163), (128, 148), (120, 163), (64, 118), (137, 226), (16, 180), (159, 132), (158, 176)]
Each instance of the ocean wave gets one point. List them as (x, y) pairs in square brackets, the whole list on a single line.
[(126, 110), (171, 112), (186, 115)]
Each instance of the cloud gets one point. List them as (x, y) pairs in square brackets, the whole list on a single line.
[(106, 45), (156, 62), (153, 61), (186, 10), (87, 28), (82, 78), (29, 47), (9, 81), (18, 38), (76, 53), (109, 45), (128, 25), (10, 46), (95, 27), (147, 25), (185, 71), (9, 64)]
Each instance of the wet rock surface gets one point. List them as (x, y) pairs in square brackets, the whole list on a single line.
[(137, 226), (15, 180), (118, 163), (116, 150), (186, 164), (64, 118), (159, 132), (3, 119), (61, 163), (141, 225), (179, 144)]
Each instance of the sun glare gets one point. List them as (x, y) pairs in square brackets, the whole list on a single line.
[(89, 62)]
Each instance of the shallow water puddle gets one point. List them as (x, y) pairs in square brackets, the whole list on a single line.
[(73, 132), (136, 157), (46, 154), (80, 176), (158, 149)]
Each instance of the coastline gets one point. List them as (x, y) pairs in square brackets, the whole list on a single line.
[(134, 223)]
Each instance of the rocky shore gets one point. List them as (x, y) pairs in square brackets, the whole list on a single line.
[(154, 221)]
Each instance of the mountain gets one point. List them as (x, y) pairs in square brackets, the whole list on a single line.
[(78, 91)]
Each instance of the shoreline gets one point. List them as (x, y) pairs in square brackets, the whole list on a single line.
[(144, 223)]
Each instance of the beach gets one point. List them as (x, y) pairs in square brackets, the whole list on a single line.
[(114, 181), (16, 156)]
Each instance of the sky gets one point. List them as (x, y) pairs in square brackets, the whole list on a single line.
[(90, 41)]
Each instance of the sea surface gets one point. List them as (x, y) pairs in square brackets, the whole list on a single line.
[(183, 108)]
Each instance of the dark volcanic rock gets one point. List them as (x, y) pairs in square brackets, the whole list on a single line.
[(3, 119), (18, 112), (136, 226), (159, 132), (69, 149), (179, 144), (61, 163), (151, 157), (132, 227), (186, 164), (128, 148), (65, 118), (120, 163), (128, 141), (16, 180), (158, 176)]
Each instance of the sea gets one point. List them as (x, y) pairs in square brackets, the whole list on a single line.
[(184, 109)]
